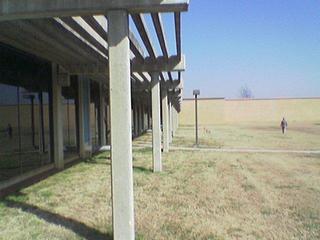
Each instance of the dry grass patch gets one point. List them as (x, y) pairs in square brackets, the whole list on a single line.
[(200, 195)]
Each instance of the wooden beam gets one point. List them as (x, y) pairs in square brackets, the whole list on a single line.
[(18, 9)]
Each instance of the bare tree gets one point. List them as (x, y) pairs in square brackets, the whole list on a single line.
[(245, 92)]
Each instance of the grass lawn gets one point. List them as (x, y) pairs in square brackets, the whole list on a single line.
[(300, 136), (200, 195)]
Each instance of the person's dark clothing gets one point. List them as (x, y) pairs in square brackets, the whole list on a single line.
[(284, 125)]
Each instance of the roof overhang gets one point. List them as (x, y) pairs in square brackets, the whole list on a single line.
[(28, 9)]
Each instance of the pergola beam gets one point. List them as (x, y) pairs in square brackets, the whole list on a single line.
[(139, 21), (177, 21), (145, 36), (170, 85), (160, 64), (92, 22), (157, 21), (134, 44), (83, 33), (18, 9), (149, 65)]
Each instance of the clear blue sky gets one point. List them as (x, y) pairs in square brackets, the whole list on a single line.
[(272, 46)]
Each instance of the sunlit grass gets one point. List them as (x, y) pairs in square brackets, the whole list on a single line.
[(300, 136)]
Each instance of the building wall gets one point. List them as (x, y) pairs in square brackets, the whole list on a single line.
[(221, 111)]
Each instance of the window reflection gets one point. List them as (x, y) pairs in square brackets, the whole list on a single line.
[(70, 95), (25, 90)]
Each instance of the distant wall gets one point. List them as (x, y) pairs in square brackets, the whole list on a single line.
[(221, 111), (209, 111)]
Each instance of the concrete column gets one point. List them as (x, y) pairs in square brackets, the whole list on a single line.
[(142, 118), (174, 117), (84, 117), (136, 120), (165, 121), (145, 118), (41, 125), (177, 120), (132, 120), (80, 119), (170, 120), (102, 115), (156, 130), (121, 141), (57, 118), (149, 118), (108, 127)]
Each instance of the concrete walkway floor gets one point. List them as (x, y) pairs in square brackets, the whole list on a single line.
[(232, 150)]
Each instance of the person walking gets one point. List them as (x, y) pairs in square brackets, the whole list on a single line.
[(284, 125)]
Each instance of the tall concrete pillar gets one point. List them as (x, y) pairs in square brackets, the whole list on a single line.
[(145, 118), (156, 129), (149, 118), (165, 120), (132, 120), (108, 127), (141, 118), (84, 117), (174, 118), (170, 120), (177, 119), (121, 141), (136, 120), (57, 118), (102, 116)]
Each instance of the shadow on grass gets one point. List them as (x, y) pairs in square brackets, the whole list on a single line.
[(135, 168), (98, 160), (77, 227), (142, 169)]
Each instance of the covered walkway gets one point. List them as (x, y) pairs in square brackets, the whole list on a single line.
[(94, 78)]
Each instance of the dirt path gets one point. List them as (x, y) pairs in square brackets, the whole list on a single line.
[(235, 150)]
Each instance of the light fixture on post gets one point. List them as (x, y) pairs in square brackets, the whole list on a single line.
[(196, 93)]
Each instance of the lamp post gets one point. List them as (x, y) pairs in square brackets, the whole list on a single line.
[(196, 92)]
